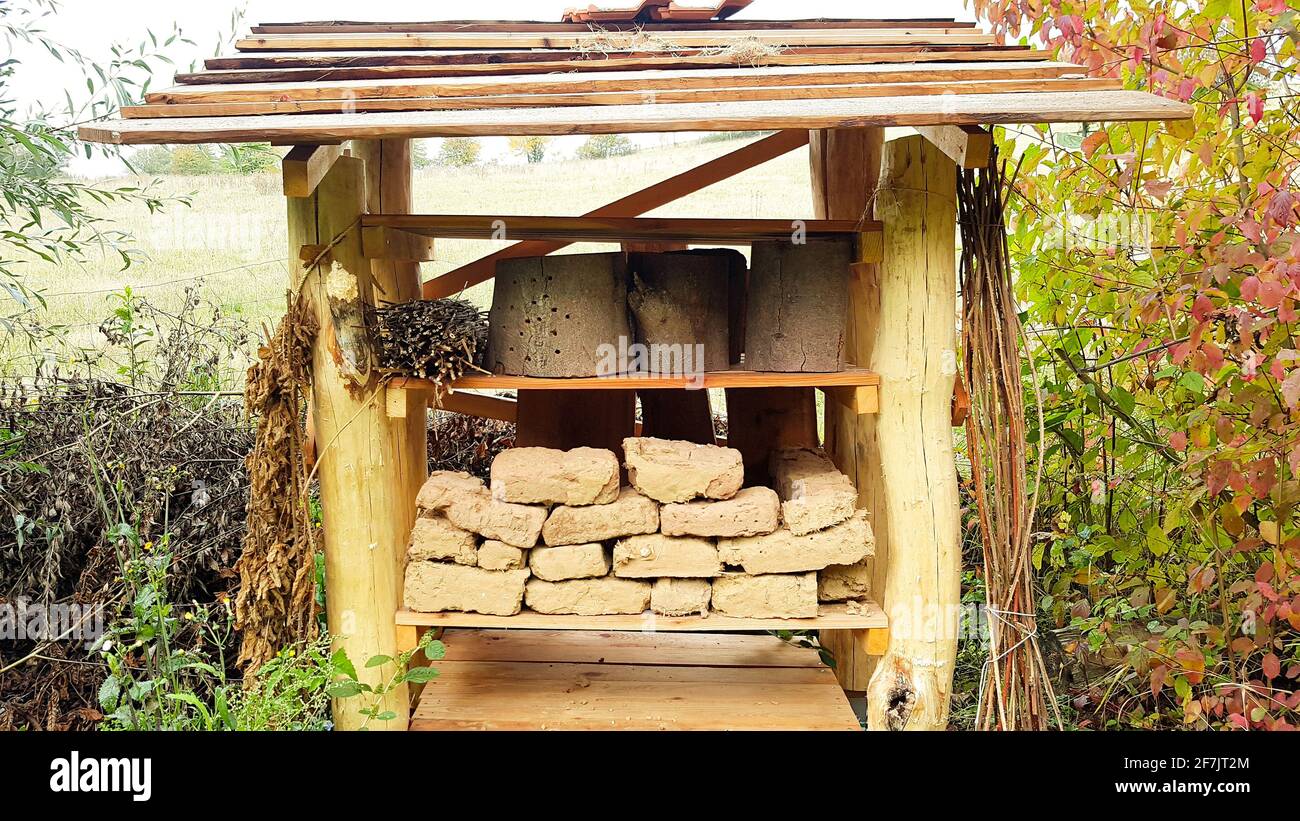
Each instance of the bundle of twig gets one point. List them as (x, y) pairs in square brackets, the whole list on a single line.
[(1015, 690), (438, 339)]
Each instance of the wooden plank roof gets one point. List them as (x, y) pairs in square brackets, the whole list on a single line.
[(332, 81)]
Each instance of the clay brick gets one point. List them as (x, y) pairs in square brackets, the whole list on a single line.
[(433, 537), (784, 552), (630, 514), (814, 494), (670, 471), (494, 555), (443, 487), (466, 503), (658, 556), (582, 476), (754, 511), (435, 587), (577, 561), (588, 597), (766, 597), (681, 597), (841, 582)]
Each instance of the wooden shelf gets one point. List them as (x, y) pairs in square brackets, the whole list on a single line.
[(849, 378), (831, 617), (377, 230)]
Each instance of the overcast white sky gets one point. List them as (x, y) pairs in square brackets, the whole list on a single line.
[(92, 26)]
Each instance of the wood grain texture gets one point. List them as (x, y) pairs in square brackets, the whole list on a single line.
[(566, 419), (623, 647), (287, 67), (915, 351), (573, 696), (365, 464), (768, 418), (966, 145), (829, 616), (712, 95), (455, 26), (305, 166), (959, 109), (588, 83), (797, 304), (685, 39), (845, 169), (850, 376), (616, 230)]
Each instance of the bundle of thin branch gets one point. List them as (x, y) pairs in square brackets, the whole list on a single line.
[(438, 339), (1015, 691), (276, 606)]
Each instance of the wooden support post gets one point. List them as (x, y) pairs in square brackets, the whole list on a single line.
[(370, 465), (914, 352), (845, 167)]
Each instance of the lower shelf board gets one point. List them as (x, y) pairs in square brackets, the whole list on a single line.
[(830, 617), (524, 680)]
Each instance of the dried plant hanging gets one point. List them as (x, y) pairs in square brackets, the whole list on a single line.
[(437, 339), (276, 606), (1015, 690)]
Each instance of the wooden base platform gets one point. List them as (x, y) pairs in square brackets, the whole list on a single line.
[(567, 680)]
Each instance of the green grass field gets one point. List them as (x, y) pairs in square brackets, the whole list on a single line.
[(231, 239)]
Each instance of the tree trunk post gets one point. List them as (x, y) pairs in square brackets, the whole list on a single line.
[(368, 464), (914, 351)]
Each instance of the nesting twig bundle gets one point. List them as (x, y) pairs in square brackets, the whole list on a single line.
[(439, 339), (1016, 692)]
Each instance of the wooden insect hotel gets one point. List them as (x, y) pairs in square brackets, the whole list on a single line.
[(625, 563)]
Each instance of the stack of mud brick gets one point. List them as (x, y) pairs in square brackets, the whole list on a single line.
[(557, 533)]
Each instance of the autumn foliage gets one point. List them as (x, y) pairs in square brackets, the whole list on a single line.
[(1159, 269)]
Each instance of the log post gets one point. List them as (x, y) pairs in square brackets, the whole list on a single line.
[(845, 168), (914, 351), (366, 465), (389, 190)]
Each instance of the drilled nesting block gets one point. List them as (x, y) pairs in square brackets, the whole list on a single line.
[(797, 306), (551, 316)]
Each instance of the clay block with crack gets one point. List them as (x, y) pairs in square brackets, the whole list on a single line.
[(671, 471), (681, 597), (576, 561), (842, 582), (630, 514), (784, 552), (582, 476), (494, 555), (433, 537), (467, 504), (657, 556), (445, 486), (588, 597), (815, 495), (754, 511), (435, 587), (766, 597)]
